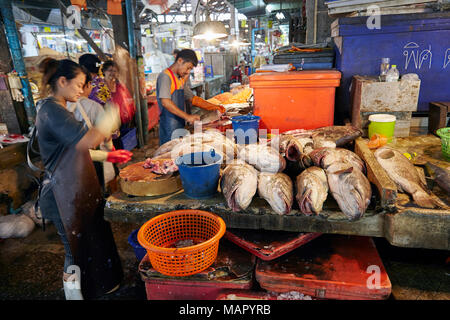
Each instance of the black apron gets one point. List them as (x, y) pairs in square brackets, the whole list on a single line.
[(80, 204)]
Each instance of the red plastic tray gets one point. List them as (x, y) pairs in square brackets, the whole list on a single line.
[(331, 267), (268, 245), (232, 269)]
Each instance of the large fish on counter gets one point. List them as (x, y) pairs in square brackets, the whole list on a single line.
[(337, 135), (324, 157), (406, 177), (332, 136), (350, 188), (312, 190), (277, 190), (197, 142), (263, 157), (239, 184), (441, 176)]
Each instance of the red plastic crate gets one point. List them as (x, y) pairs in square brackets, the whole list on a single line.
[(330, 267), (268, 245), (232, 269)]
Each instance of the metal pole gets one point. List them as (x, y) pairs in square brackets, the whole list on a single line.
[(132, 48), (253, 45), (16, 53)]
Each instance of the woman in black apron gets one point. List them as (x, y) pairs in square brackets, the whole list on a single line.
[(71, 195)]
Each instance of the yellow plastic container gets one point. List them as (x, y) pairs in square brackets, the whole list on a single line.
[(383, 125)]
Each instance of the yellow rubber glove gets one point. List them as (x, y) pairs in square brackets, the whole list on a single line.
[(201, 103)]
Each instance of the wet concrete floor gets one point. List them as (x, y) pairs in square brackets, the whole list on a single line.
[(31, 268)]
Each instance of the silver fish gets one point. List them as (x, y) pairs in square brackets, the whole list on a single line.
[(406, 177), (277, 190), (312, 190), (324, 157), (350, 188), (239, 184), (263, 157)]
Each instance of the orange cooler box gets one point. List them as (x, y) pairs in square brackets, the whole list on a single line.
[(295, 99)]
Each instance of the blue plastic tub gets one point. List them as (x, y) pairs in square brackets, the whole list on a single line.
[(139, 250), (245, 129), (199, 173)]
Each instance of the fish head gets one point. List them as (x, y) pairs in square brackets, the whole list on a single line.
[(317, 156), (353, 190)]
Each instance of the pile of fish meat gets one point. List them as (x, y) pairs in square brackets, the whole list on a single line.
[(410, 179), (260, 168), (160, 167)]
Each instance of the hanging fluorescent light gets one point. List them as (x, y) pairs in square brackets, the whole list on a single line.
[(209, 30), (280, 15)]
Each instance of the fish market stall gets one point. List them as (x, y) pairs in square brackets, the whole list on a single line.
[(402, 225)]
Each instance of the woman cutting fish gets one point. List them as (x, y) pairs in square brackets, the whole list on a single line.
[(70, 195)]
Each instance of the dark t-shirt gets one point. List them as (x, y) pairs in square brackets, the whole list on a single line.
[(57, 129)]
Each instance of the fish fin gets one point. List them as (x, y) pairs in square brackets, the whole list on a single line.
[(306, 161), (421, 174), (344, 171), (423, 199)]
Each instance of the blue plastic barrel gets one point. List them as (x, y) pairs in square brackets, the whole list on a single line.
[(245, 129), (199, 173), (139, 250)]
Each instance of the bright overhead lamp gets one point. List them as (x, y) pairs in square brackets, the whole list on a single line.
[(209, 30), (280, 15)]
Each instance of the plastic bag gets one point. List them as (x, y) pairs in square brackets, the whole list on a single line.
[(15, 226), (124, 100)]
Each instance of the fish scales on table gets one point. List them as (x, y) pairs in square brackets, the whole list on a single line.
[(277, 190), (312, 190), (239, 183), (350, 188), (406, 177)]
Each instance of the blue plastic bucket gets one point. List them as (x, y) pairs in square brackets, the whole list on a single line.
[(245, 129), (139, 250), (199, 173)]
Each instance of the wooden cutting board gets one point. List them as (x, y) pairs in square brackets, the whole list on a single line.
[(135, 180)]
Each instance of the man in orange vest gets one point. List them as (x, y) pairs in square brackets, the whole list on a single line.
[(171, 93)]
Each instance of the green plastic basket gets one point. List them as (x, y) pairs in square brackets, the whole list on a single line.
[(444, 133)]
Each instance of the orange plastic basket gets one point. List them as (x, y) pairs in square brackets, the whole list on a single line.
[(160, 233)]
